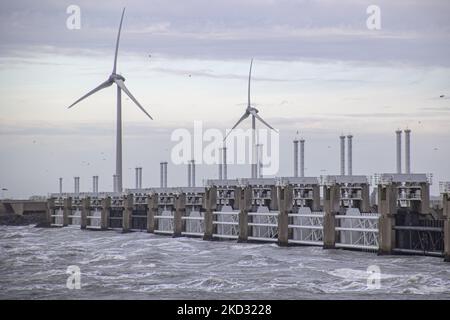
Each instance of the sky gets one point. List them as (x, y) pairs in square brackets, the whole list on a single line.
[(318, 69)]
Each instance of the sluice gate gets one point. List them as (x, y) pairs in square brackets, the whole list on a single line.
[(331, 212)]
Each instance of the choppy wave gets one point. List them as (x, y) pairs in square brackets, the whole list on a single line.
[(33, 264)]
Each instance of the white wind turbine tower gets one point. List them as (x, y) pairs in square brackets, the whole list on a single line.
[(254, 113), (119, 81)]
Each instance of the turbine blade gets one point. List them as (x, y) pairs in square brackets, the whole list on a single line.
[(261, 119), (249, 78), (122, 86), (104, 85), (244, 116), (117, 42)]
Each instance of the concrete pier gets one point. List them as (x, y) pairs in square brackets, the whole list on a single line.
[(210, 204), (180, 209), (127, 212), (331, 208), (85, 211), (285, 204), (106, 205), (67, 211), (387, 207), (152, 211), (245, 205), (446, 211), (50, 210)]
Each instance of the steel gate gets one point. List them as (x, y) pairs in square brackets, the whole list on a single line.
[(358, 231), (306, 227)]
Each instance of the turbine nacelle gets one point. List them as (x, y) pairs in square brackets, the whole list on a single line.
[(250, 109), (115, 76)]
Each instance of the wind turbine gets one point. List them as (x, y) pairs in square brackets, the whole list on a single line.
[(119, 81), (254, 113)]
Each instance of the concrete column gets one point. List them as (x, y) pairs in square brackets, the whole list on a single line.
[(407, 151), (446, 205), (331, 208), (302, 157), (106, 205), (365, 203), (152, 202), (161, 173), (387, 208), (193, 173), (136, 177), (425, 198), (220, 163), (85, 211), (245, 203), (349, 155), (180, 209), (210, 204), (285, 197), (165, 174), (316, 198), (225, 168), (295, 158), (60, 185), (399, 150), (127, 212), (67, 211), (50, 211), (342, 155), (273, 198), (446, 211), (189, 174)]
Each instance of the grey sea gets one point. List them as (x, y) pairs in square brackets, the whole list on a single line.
[(34, 261)]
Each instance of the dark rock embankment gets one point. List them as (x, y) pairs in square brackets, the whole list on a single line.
[(37, 219)]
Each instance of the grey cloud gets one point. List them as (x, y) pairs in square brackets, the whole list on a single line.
[(412, 31)]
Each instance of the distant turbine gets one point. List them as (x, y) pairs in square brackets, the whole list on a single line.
[(119, 81), (254, 112)]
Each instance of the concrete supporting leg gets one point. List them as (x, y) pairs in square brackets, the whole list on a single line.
[(446, 211), (106, 205), (386, 234), (180, 210), (329, 230), (316, 198), (152, 205), (365, 203), (245, 202), (387, 208), (285, 204), (331, 208), (50, 211), (274, 205), (67, 211), (447, 239), (85, 211), (127, 212), (210, 204), (425, 198)]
